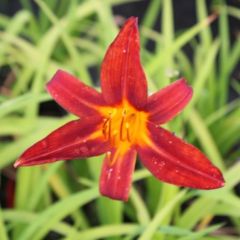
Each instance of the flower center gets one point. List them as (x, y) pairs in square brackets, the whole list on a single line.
[(119, 126), (123, 125)]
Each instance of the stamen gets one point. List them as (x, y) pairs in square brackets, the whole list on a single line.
[(109, 128), (121, 128), (130, 122), (105, 127), (128, 134), (106, 130)]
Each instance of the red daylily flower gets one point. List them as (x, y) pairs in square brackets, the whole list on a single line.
[(123, 121)]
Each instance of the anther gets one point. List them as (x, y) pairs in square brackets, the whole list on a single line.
[(124, 112), (128, 135)]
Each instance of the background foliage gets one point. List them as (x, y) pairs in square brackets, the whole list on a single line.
[(61, 200)]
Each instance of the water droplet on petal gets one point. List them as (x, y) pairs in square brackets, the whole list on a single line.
[(78, 139), (162, 163), (44, 143), (109, 173), (76, 151), (83, 149)]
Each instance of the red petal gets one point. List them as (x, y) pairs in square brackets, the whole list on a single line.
[(116, 175), (122, 75), (172, 160), (73, 95), (168, 102), (78, 138)]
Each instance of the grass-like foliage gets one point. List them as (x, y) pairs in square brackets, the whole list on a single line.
[(61, 200)]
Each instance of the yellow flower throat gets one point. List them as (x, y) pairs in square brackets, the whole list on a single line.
[(123, 125)]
